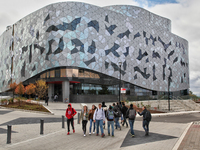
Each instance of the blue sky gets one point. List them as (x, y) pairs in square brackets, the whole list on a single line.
[(151, 3)]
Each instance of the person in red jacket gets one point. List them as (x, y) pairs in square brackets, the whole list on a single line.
[(70, 113)]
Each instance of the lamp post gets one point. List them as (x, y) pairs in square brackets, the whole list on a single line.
[(120, 64), (168, 94)]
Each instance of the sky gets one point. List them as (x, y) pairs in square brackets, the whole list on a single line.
[(184, 16)]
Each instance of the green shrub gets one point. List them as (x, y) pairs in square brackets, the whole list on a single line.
[(138, 105), (11, 100)]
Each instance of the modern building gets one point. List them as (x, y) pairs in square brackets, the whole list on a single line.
[(78, 48)]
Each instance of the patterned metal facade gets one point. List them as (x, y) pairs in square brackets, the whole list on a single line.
[(96, 38)]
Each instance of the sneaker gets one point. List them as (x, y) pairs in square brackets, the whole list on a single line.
[(133, 135), (112, 135), (146, 134), (97, 134), (93, 132), (68, 133), (103, 135), (73, 131), (108, 134), (84, 135), (89, 133)]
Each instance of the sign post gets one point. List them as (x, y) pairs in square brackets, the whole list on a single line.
[(123, 90)]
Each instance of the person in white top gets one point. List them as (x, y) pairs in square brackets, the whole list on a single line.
[(99, 119)]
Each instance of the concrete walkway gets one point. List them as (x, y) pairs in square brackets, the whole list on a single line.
[(165, 132)]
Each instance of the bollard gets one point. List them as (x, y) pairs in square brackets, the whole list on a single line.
[(41, 126), (9, 134), (78, 121), (63, 121)]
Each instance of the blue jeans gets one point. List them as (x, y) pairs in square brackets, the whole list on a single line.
[(99, 123), (112, 127), (146, 124), (131, 122), (91, 125), (117, 122)]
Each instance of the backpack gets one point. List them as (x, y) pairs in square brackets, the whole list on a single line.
[(110, 115), (147, 116), (132, 113), (118, 112)]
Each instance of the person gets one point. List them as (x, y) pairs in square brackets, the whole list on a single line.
[(47, 99), (124, 110), (131, 113), (91, 114), (110, 119), (105, 110), (66, 100), (55, 98), (117, 115), (99, 119), (146, 120), (84, 117), (70, 113)]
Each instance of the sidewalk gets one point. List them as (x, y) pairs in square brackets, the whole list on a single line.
[(26, 129), (191, 140)]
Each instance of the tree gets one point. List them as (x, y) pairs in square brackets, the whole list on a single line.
[(20, 90), (30, 89), (13, 87), (41, 88), (193, 96)]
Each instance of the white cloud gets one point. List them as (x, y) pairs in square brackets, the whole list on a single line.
[(185, 21)]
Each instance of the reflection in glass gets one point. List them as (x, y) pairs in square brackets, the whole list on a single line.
[(87, 74), (57, 73), (52, 73), (81, 73), (69, 72), (47, 74), (63, 73), (74, 72)]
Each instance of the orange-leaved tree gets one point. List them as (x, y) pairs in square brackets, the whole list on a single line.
[(20, 90), (13, 87), (30, 89), (41, 88)]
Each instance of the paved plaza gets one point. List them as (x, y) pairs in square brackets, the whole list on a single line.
[(167, 131)]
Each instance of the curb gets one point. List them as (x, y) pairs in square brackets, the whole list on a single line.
[(174, 113), (49, 110), (178, 143)]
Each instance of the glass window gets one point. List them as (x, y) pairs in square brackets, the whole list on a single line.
[(52, 73), (57, 73), (63, 73), (97, 76), (69, 72), (74, 72), (48, 74), (81, 73), (92, 75), (43, 75), (87, 74)]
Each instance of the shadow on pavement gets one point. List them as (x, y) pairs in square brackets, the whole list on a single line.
[(140, 138), (3, 131), (20, 121)]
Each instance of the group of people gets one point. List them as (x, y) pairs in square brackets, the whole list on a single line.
[(98, 115)]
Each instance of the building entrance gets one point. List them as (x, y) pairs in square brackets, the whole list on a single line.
[(58, 91)]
